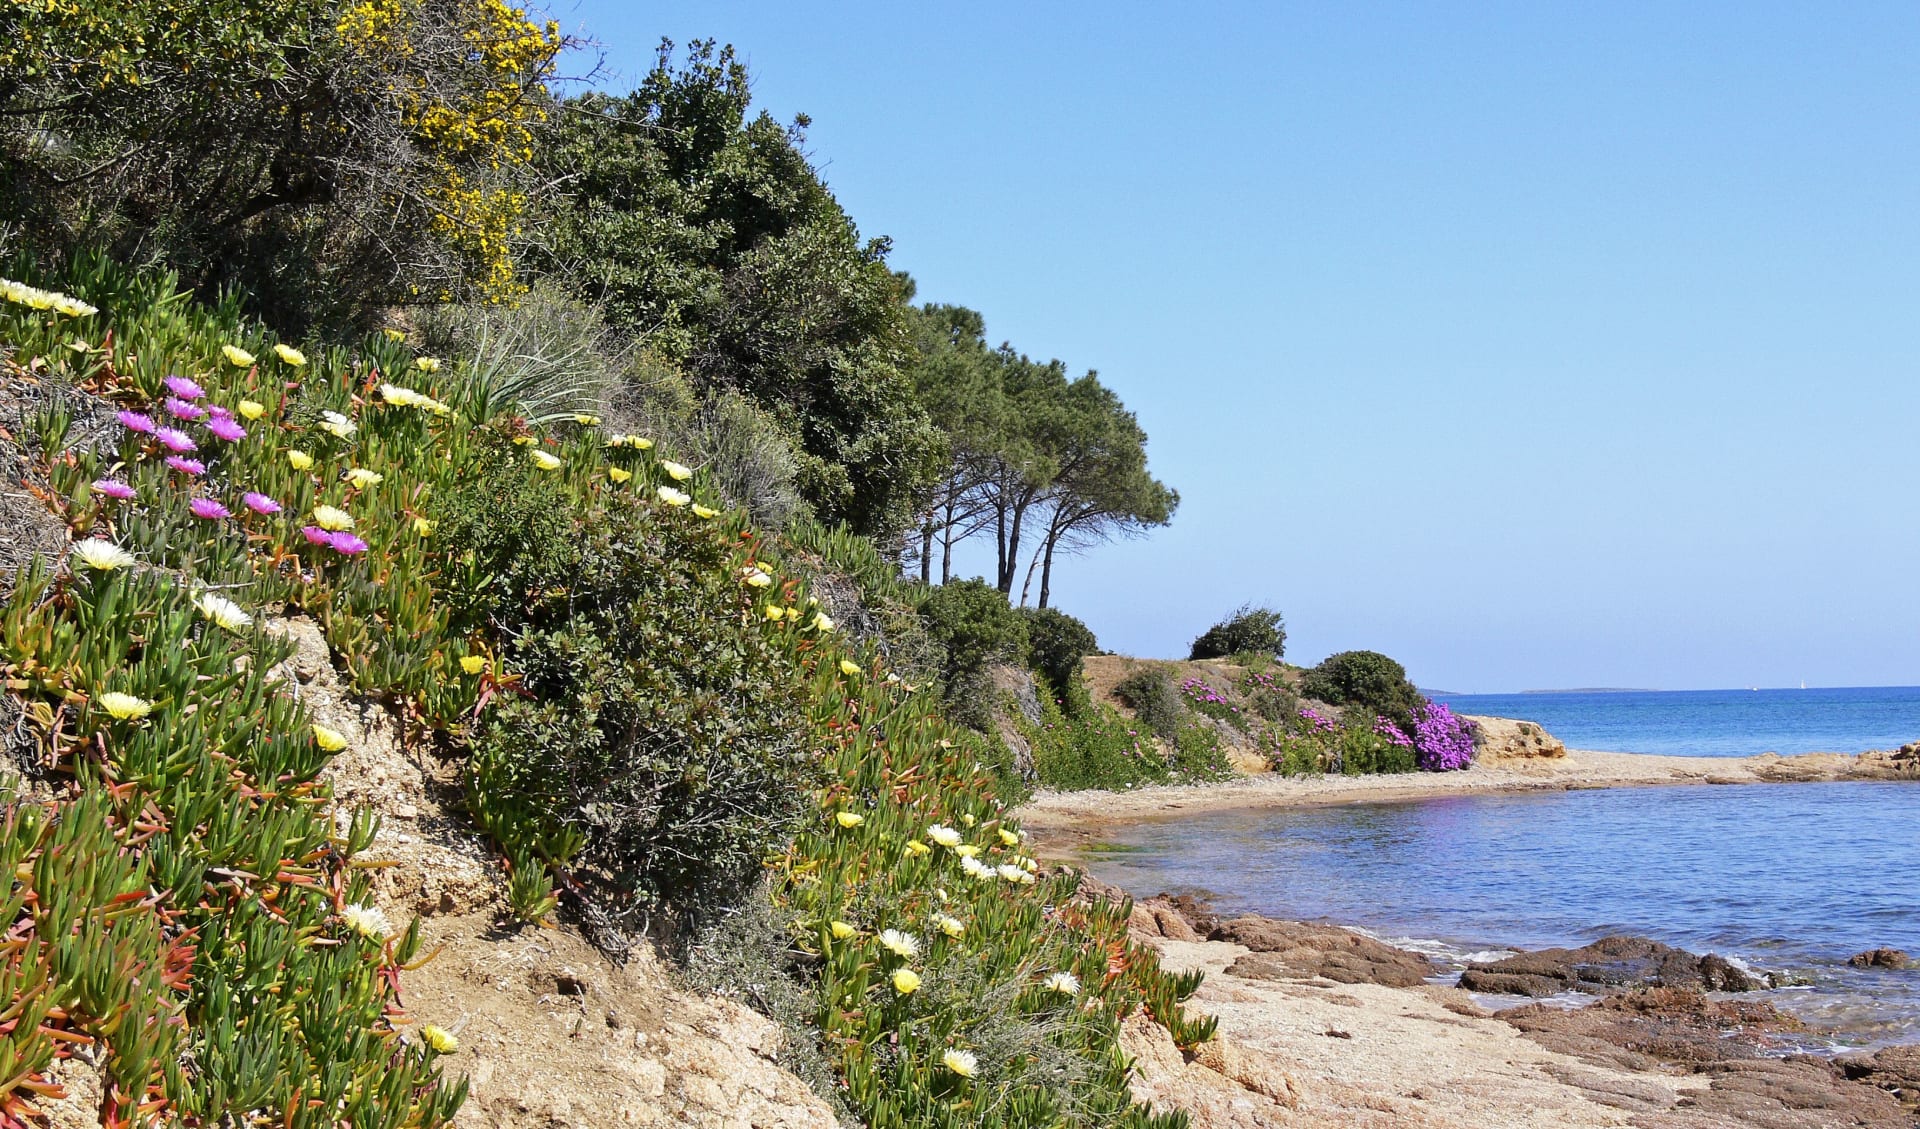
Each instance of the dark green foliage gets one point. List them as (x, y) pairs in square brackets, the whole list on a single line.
[(1056, 642), (1366, 679), (1362, 751), (1101, 749), (706, 228), (659, 750), (973, 625), (1249, 630), (1154, 701)]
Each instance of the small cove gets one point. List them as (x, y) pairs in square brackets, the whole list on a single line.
[(1790, 880)]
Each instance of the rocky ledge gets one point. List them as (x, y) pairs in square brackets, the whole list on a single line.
[(1610, 964)]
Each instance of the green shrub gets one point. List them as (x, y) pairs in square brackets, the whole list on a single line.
[(1249, 630), (972, 625), (1097, 750), (1198, 755), (1269, 698), (1154, 701), (1293, 753), (548, 357), (1056, 643), (1363, 750), (1366, 679)]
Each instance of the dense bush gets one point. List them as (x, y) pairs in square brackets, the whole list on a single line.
[(1100, 749), (1150, 694), (1203, 698), (1269, 698), (1248, 631), (973, 625), (1056, 643), (1367, 679)]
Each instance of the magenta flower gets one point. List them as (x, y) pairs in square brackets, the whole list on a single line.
[(259, 503), (316, 535), (185, 389), (209, 509), (346, 543), (175, 440), (225, 427), (134, 421), (219, 412), (186, 466), (180, 409), (113, 488)]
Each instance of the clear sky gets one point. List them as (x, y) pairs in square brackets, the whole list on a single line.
[(1536, 345)]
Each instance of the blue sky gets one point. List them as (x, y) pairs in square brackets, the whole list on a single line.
[(1535, 345)]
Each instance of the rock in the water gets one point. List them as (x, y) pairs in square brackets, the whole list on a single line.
[(1608, 965), (1290, 950), (1881, 958)]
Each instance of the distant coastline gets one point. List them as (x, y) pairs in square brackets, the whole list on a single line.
[(1599, 690)]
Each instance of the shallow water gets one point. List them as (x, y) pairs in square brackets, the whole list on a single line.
[(1789, 879), (1716, 723)]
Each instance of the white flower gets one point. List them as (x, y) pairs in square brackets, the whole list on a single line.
[(975, 868), (960, 1062), (900, 944), (673, 497), (1065, 983), (98, 553), (404, 397), (950, 926), (367, 921), (222, 611), (546, 460), (333, 423), (331, 519), (755, 578), (675, 471), (126, 707), (1010, 872), (944, 835)]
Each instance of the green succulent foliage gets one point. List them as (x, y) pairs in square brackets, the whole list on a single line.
[(1249, 630), (1368, 680)]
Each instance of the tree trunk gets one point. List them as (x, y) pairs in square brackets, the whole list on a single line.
[(926, 549), (1046, 572)]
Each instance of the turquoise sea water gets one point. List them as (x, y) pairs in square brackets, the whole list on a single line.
[(1716, 723), (1789, 879)]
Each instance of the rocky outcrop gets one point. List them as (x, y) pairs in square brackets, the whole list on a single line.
[(1608, 965), (1291, 950), (1503, 738), (1881, 958), (1222, 1085)]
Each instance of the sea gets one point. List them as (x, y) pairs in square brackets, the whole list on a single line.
[(1788, 881)]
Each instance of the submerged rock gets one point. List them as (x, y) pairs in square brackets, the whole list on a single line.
[(1881, 958), (1610, 964)]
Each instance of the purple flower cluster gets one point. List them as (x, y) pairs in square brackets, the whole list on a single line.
[(1197, 692), (1320, 723), (1391, 732), (1441, 741)]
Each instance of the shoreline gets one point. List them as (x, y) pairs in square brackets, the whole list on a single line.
[(1066, 820)]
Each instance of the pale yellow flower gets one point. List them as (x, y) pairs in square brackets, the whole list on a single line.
[(793, 614), (585, 420), (102, 555), (821, 622), (960, 1062), (841, 930), (755, 577), (472, 664), (290, 355), (906, 981), (331, 519), (236, 356), (916, 847), (673, 497), (126, 707), (439, 1039), (361, 478), (967, 851), (525, 440), (403, 397), (427, 364), (904, 945), (849, 668), (546, 460), (329, 740), (252, 409), (640, 444), (849, 819), (337, 425), (618, 475), (367, 921), (701, 511), (944, 835), (675, 471), (966, 817), (950, 926), (423, 527), (299, 460), (393, 334), (1065, 983), (774, 613), (223, 612), (1010, 872), (1010, 838)]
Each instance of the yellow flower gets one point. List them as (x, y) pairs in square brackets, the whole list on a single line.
[(673, 497), (821, 622), (966, 817), (439, 1039), (423, 527), (900, 944), (640, 444), (472, 664), (252, 409), (290, 355), (427, 364), (329, 740), (223, 612), (236, 356), (675, 471), (755, 577), (299, 460), (366, 921), (701, 511), (363, 478), (849, 668), (916, 847), (1010, 838), (585, 420), (618, 475), (101, 554), (774, 613), (960, 1062), (906, 981), (849, 819), (126, 707), (1065, 983), (546, 460), (793, 614), (841, 930), (944, 835), (328, 518), (967, 851), (950, 926), (394, 334), (404, 397), (525, 440)]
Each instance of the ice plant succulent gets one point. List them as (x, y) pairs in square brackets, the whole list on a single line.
[(290, 355), (331, 519), (1065, 983), (676, 471), (903, 945), (366, 920), (209, 510), (329, 740), (545, 460), (361, 478), (236, 356), (673, 497), (252, 409), (136, 421), (299, 460), (102, 555), (175, 440), (223, 613), (259, 503), (963, 1063), (346, 544), (337, 425), (227, 428), (439, 1040), (906, 981), (113, 488), (185, 388), (126, 707), (181, 409), (849, 819), (186, 466)]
